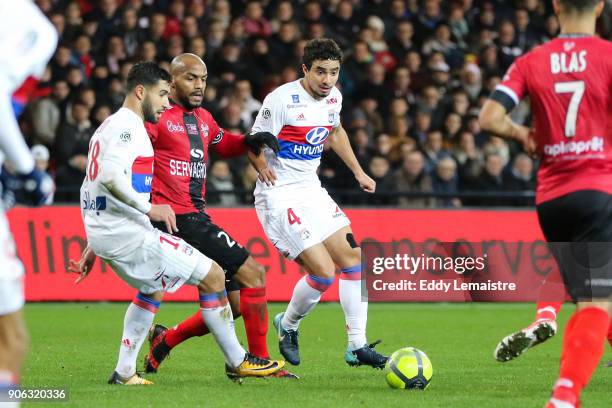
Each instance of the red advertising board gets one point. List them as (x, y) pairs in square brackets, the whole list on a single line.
[(48, 237)]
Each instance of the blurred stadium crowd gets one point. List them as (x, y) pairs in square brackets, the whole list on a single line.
[(414, 76)]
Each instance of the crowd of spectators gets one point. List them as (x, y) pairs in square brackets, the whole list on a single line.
[(414, 76)]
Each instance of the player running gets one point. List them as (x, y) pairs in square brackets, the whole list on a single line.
[(181, 141), (27, 41), (117, 217), (569, 81), (297, 214)]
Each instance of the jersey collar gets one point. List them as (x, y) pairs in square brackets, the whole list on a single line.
[(575, 35)]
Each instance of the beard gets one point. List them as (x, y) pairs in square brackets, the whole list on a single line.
[(320, 95), (147, 111), (183, 100)]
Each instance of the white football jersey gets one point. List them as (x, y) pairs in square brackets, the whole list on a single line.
[(302, 124), (113, 227)]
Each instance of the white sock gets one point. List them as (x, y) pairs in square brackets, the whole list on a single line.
[(136, 324), (306, 295), (355, 310), (218, 317)]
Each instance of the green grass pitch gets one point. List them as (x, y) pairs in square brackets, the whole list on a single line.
[(75, 346)]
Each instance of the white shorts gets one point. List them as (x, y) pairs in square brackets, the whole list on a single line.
[(295, 228), (11, 295), (11, 271), (162, 263)]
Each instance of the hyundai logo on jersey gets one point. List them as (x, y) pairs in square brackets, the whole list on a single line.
[(142, 174), (317, 135), (302, 142)]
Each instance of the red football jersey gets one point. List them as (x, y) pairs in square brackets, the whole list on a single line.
[(180, 141), (569, 82)]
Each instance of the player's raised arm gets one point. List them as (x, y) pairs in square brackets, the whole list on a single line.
[(339, 142)]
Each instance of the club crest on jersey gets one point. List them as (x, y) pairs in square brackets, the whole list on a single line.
[(187, 249), (317, 136), (204, 129), (192, 128), (295, 98), (304, 234)]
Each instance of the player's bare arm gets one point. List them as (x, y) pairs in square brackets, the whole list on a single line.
[(495, 120), (339, 142), (265, 173)]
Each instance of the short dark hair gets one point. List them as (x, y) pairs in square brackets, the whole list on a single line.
[(79, 102), (379, 156), (579, 5), (146, 74), (321, 49)]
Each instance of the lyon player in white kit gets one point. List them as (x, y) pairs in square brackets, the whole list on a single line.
[(117, 213), (27, 41), (298, 215)]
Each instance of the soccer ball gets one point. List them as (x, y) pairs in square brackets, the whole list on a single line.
[(408, 368)]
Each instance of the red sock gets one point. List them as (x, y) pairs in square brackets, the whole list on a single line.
[(254, 311), (547, 310), (583, 346), (190, 327), (610, 333)]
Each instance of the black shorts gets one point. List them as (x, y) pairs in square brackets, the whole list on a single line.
[(199, 231), (578, 227)]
